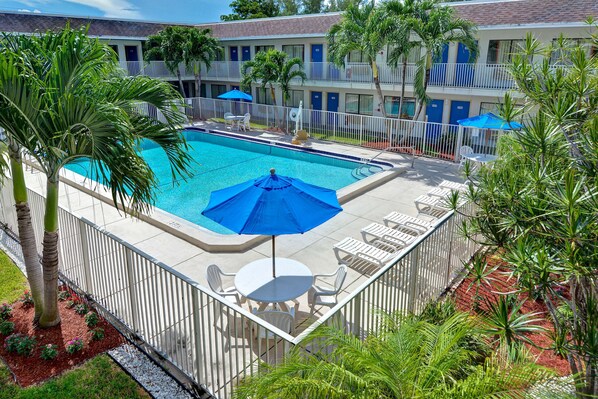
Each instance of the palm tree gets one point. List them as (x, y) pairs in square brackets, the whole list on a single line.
[(397, 29), (200, 47), (270, 69), (359, 30), (436, 26), (407, 358), (64, 98), (169, 45)]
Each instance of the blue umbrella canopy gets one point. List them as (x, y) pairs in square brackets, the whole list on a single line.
[(236, 95), (272, 205), (489, 121)]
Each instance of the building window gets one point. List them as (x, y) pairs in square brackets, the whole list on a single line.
[(412, 58), (359, 104), (355, 56), (264, 96), (562, 52), (263, 48), (294, 51), (114, 48), (202, 90), (295, 97), (218, 90), (486, 107), (391, 105), (501, 51), (220, 55)]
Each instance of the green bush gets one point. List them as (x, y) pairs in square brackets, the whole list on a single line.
[(91, 319), (97, 334), (63, 295), (20, 343), (7, 327), (27, 299), (81, 309), (49, 352), (5, 311), (74, 345)]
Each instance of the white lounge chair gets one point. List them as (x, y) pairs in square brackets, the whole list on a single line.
[(439, 192), (359, 250), (278, 318), (323, 293), (214, 276), (430, 205), (451, 185), (386, 235), (413, 225)]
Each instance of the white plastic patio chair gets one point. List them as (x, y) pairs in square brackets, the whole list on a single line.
[(285, 321), (322, 292), (385, 235), (228, 119), (464, 150), (214, 276), (246, 125), (359, 250), (413, 225)]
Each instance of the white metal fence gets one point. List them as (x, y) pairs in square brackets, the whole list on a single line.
[(438, 140), (483, 76), (209, 339)]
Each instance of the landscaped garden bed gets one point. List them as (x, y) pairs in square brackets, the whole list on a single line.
[(499, 283)]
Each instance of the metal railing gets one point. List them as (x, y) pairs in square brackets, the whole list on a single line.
[(437, 140), (484, 76)]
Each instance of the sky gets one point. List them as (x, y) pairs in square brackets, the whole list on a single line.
[(187, 11)]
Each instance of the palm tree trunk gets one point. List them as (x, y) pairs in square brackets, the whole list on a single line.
[(403, 84), (50, 316), (197, 80), (376, 76), (27, 234), (181, 88), (426, 80), (273, 94)]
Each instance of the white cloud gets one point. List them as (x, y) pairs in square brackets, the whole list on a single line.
[(36, 11), (112, 8)]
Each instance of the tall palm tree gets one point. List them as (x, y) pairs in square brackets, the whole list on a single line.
[(168, 45), (413, 359), (436, 26), (65, 98), (200, 48), (359, 30), (396, 28)]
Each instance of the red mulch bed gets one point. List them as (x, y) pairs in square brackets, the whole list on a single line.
[(32, 370), (502, 284)]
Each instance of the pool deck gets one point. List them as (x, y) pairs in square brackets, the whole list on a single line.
[(313, 248)]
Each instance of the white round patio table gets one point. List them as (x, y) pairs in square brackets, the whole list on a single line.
[(254, 281), (481, 158)]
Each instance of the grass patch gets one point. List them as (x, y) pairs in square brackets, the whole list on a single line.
[(98, 378), (12, 281)]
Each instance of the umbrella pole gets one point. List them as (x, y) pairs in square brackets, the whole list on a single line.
[(273, 258)]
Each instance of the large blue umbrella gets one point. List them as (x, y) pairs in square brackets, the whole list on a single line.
[(489, 121), (272, 205), (236, 95)]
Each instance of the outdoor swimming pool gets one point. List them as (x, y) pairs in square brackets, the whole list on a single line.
[(225, 161)]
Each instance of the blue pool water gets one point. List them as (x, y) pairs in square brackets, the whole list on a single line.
[(223, 162)]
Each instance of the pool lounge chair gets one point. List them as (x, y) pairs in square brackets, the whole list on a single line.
[(413, 225), (358, 250), (431, 205), (376, 233), (451, 185)]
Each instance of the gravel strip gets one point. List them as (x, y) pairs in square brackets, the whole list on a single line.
[(151, 377)]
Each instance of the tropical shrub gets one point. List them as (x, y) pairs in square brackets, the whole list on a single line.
[(74, 345), (20, 343), (91, 319), (64, 295), (97, 334), (27, 299), (5, 311), (49, 352), (6, 327), (81, 309)]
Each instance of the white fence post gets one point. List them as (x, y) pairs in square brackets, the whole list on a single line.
[(199, 375), (361, 130), (132, 289), (85, 255), (458, 143), (411, 301)]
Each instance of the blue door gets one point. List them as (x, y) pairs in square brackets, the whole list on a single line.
[(234, 53), (245, 53), (438, 72), (316, 105), (434, 112), (132, 57), (464, 71), (332, 106), (459, 110), (317, 57)]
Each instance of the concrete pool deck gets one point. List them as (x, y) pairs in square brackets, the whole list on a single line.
[(313, 248)]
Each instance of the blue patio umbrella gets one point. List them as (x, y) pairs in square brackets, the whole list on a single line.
[(272, 205), (489, 121), (236, 95)]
